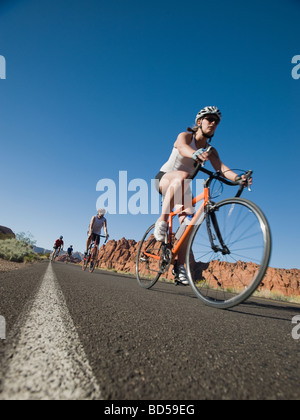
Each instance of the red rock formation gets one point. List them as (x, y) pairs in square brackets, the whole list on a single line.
[(121, 255), (63, 258)]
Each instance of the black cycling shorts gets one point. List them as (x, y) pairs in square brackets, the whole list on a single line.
[(158, 179), (96, 238)]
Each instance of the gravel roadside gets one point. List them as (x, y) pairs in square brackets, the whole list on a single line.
[(6, 266)]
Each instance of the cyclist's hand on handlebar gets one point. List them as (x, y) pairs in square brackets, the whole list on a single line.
[(245, 179), (202, 155)]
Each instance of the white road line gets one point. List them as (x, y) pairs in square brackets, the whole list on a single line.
[(49, 362)]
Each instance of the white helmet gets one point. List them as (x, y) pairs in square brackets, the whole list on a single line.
[(209, 110), (101, 212)]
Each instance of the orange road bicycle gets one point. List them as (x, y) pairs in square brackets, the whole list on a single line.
[(90, 260), (228, 252)]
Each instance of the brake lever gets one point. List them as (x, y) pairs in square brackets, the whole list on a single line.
[(248, 176), (241, 182)]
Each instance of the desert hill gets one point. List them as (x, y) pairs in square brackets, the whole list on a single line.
[(6, 233)]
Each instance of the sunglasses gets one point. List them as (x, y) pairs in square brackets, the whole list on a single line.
[(212, 119)]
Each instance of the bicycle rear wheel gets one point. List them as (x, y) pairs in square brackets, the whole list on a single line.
[(148, 263), (85, 262), (228, 253)]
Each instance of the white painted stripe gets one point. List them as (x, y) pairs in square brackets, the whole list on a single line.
[(49, 362)]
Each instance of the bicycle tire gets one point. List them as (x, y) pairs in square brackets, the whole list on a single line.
[(224, 280), (92, 266), (93, 259), (148, 271), (85, 263)]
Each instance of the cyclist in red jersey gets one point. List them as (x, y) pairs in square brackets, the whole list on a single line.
[(59, 245)]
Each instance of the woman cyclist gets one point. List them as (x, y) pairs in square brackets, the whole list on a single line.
[(190, 147)]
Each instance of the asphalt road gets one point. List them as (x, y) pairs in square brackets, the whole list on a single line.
[(75, 335)]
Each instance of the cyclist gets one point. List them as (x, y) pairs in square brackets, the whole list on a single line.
[(97, 223), (189, 147), (70, 251), (58, 246)]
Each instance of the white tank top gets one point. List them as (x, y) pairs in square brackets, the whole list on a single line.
[(177, 162), (98, 225)]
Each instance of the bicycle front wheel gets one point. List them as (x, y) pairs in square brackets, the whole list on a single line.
[(148, 263), (228, 253), (92, 266)]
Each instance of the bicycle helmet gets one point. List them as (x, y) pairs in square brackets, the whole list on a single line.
[(209, 110)]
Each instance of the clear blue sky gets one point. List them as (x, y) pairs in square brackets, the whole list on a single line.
[(96, 87)]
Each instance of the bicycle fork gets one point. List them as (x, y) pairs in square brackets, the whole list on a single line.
[(211, 220)]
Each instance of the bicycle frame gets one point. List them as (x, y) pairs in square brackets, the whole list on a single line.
[(202, 197), (205, 197), (92, 247)]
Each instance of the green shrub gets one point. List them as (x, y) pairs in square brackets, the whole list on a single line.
[(14, 250), (4, 236)]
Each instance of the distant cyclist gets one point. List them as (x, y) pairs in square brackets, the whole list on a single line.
[(97, 223), (58, 246), (70, 251)]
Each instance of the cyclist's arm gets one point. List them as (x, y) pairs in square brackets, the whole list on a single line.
[(182, 144), (105, 229), (221, 167), (92, 225)]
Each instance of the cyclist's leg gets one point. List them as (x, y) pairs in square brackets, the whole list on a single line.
[(173, 186), (189, 210), (54, 253), (88, 242), (96, 248), (96, 239)]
